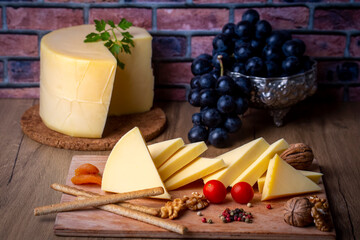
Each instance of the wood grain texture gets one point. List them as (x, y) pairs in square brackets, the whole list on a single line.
[(150, 123), (332, 130), (268, 224)]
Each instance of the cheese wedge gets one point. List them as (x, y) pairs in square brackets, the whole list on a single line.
[(195, 170), (259, 167), (80, 83), (238, 160), (130, 167), (161, 151), (182, 157), (283, 180), (313, 176)]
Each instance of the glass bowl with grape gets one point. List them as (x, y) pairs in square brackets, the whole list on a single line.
[(251, 65)]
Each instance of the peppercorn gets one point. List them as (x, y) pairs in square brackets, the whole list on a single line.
[(249, 205), (268, 206), (210, 221), (203, 220), (199, 213)]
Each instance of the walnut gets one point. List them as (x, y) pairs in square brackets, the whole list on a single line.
[(172, 209), (196, 202), (298, 212), (298, 155), (321, 214)]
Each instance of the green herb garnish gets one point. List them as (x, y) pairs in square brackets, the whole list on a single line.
[(115, 46)]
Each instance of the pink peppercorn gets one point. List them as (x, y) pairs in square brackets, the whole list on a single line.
[(203, 220), (268, 206)]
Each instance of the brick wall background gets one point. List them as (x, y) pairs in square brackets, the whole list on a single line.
[(182, 29)]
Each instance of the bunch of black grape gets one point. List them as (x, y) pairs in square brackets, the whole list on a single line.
[(251, 48)]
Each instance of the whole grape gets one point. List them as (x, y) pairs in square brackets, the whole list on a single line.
[(226, 104), (262, 29), (196, 118), (194, 82), (243, 86), (251, 15), (225, 85), (238, 67), (222, 43), (232, 123), (272, 53), (255, 67), (207, 81), (194, 98), (243, 52), (201, 66), (208, 98), (295, 47), (225, 59), (218, 137), (273, 69), (278, 38), (291, 65), (197, 134), (242, 105), (245, 30), (211, 117), (229, 30)]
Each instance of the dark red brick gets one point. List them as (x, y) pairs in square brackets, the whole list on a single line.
[(354, 94), (192, 19), (19, 93), (24, 71), (201, 45), (336, 71), (169, 46), (323, 45), (337, 19), (355, 46), (172, 73), (1, 71), (281, 17), (43, 18), (140, 17), (229, 1), (18, 45), (170, 94)]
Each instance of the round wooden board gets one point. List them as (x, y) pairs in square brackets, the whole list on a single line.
[(150, 123)]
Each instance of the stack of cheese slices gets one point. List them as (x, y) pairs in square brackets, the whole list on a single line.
[(132, 165)]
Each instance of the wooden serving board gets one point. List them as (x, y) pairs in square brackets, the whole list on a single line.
[(267, 224)]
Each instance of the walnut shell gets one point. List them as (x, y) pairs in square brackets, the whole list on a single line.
[(298, 155), (297, 212)]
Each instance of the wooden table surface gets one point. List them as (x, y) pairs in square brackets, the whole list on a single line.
[(28, 168)]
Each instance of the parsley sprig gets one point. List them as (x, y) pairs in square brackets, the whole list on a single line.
[(114, 45)]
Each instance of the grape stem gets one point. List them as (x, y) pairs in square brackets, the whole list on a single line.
[(221, 65)]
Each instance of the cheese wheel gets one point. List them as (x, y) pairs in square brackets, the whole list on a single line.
[(80, 83)]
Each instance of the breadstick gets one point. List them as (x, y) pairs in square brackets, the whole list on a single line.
[(130, 213), (97, 201), (79, 192)]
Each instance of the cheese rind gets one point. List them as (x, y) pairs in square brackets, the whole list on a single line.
[(161, 151), (77, 81), (313, 176), (195, 170), (130, 167), (182, 157), (283, 180), (259, 167), (238, 160)]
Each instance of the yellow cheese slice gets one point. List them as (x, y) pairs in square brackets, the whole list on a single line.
[(283, 180), (77, 81), (313, 176), (195, 170), (259, 167), (238, 160), (130, 167), (161, 151), (182, 157)]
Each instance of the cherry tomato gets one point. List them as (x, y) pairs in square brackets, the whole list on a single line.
[(214, 191), (242, 192)]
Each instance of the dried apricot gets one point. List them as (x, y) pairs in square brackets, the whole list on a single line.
[(86, 168), (86, 179)]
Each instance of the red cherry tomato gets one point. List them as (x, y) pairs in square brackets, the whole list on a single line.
[(214, 191), (242, 192)]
